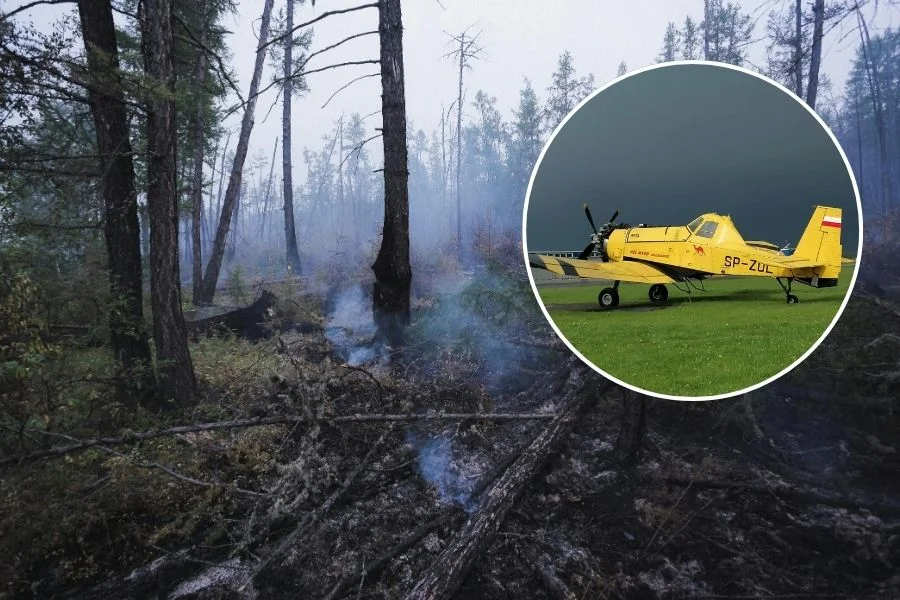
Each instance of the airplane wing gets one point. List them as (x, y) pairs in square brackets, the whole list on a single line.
[(638, 272)]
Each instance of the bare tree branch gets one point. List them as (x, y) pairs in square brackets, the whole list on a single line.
[(319, 18), (223, 72), (6, 16), (304, 73), (358, 147), (155, 465), (131, 438), (346, 85)]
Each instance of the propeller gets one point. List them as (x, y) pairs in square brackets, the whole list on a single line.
[(587, 211), (587, 251), (598, 235)]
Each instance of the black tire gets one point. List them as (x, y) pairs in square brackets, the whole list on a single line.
[(792, 299), (608, 298), (658, 293)]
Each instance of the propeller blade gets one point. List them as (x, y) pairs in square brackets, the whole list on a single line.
[(587, 211), (587, 251), (612, 219)]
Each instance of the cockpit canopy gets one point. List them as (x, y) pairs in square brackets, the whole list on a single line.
[(714, 226), (705, 228)]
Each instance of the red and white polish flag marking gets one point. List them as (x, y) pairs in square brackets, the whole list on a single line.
[(831, 222)]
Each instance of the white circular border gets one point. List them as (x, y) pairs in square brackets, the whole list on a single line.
[(859, 212)]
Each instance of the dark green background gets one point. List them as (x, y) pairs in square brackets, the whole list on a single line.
[(668, 144)]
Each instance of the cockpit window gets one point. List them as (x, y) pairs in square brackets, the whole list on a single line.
[(693, 225), (707, 230)]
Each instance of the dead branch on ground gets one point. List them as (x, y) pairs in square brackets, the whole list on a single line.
[(313, 516), (446, 574), (134, 437)]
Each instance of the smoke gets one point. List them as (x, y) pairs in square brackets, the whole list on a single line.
[(470, 328), (350, 328), (454, 479)]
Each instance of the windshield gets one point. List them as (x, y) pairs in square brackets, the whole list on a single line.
[(693, 225), (708, 229)]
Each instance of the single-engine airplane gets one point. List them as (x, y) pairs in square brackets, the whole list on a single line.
[(707, 246)]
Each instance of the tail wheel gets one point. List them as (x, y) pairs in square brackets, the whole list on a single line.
[(792, 299), (608, 298), (658, 293)]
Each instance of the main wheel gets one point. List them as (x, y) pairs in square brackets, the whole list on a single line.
[(658, 293), (792, 299), (608, 298)]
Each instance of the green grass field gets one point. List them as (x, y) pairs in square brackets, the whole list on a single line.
[(736, 334)]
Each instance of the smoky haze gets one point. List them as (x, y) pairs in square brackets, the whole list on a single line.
[(667, 145)]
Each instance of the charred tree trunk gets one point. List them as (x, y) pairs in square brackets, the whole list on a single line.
[(122, 232), (815, 56), (448, 571), (197, 189), (290, 230), (208, 287), (176, 373), (393, 275)]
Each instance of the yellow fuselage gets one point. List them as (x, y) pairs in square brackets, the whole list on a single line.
[(724, 252)]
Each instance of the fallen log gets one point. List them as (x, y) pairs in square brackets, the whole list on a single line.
[(130, 438), (373, 567), (449, 570), (250, 322)]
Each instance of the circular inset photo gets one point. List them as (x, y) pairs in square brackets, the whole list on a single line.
[(692, 230)]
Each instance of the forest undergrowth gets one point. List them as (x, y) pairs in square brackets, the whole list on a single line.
[(790, 490)]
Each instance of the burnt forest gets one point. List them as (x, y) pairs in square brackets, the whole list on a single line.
[(267, 330)]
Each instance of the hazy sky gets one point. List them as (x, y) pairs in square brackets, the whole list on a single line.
[(667, 145), (520, 38)]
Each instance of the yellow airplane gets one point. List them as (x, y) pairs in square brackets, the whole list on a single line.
[(707, 246)]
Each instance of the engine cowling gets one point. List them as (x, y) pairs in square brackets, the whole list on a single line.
[(614, 245)]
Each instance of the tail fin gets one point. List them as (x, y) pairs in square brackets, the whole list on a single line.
[(821, 242)]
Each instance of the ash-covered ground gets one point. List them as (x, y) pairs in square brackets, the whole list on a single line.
[(788, 492)]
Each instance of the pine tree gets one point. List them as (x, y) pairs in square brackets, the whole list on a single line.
[(728, 32), (671, 41), (565, 91), (525, 140)]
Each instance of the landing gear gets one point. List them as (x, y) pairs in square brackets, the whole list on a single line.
[(609, 297), (658, 293), (791, 299)]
